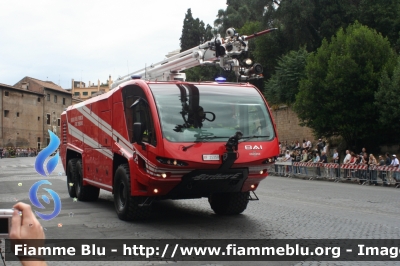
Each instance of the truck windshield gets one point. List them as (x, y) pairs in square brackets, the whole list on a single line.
[(190, 113)]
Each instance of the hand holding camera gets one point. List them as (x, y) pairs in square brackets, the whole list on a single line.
[(5, 222), (20, 224)]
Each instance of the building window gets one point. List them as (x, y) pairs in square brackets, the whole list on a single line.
[(38, 99), (38, 139), (55, 98), (48, 96), (17, 114), (76, 93), (93, 92), (6, 113), (48, 141), (25, 85), (63, 101), (38, 118), (85, 93), (59, 122), (6, 93), (48, 119)]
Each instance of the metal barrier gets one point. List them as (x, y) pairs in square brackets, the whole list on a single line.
[(7, 154), (283, 168), (363, 174)]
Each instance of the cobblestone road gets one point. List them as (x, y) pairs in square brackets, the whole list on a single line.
[(287, 209)]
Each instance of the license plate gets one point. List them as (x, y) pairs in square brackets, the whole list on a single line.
[(210, 157)]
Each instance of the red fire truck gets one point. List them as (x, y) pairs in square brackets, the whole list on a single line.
[(155, 136)]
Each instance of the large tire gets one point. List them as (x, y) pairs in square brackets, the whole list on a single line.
[(127, 206), (71, 176), (229, 203), (84, 193)]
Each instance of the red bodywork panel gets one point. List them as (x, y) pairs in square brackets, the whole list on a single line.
[(96, 130)]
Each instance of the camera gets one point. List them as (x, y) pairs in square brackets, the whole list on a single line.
[(5, 222)]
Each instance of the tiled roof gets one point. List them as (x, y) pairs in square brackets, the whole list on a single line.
[(49, 84), (5, 85), (19, 89)]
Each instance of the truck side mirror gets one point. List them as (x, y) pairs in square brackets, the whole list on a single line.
[(138, 134)]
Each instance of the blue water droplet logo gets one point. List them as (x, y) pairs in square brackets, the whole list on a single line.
[(46, 199), (45, 153), (35, 201)]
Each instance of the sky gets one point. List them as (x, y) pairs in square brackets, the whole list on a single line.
[(89, 40)]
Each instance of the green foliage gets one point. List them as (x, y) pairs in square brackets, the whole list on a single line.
[(194, 32), (283, 86), (387, 101), (238, 12), (201, 73), (336, 98), (382, 15), (307, 22)]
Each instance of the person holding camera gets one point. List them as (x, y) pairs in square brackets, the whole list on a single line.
[(25, 226)]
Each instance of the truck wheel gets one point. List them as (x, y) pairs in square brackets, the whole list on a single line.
[(127, 206), (84, 193), (229, 203), (71, 176)]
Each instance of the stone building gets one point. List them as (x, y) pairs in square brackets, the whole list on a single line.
[(82, 91), (29, 109), (21, 117)]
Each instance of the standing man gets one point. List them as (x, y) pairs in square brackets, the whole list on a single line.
[(309, 145), (347, 160), (288, 158), (304, 159), (335, 159), (1, 152), (324, 159), (320, 146), (381, 173), (395, 163), (388, 162)]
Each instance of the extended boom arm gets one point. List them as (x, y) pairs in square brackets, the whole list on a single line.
[(222, 52)]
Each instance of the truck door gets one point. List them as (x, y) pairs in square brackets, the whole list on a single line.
[(140, 112)]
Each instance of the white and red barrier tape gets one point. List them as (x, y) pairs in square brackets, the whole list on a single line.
[(348, 166)]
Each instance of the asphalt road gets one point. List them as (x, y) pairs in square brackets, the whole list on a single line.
[(287, 209)]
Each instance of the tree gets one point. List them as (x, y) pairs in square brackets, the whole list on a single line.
[(337, 96), (387, 101), (194, 32), (238, 12), (283, 86), (383, 16)]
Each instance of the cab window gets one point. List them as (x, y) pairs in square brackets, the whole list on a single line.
[(138, 113)]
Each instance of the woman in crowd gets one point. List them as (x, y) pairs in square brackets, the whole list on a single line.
[(353, 161), (372, 163), (335, 159), (363, 160)]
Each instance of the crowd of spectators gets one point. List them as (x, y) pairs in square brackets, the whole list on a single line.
[(9, 152), (306, 152)]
